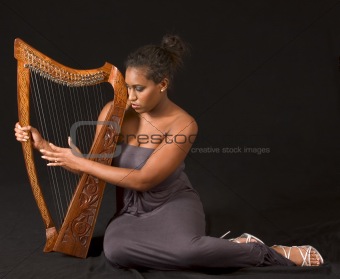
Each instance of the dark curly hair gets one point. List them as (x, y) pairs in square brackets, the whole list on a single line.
[(161, 61)]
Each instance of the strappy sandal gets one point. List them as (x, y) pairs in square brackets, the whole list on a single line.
[(248, 238), (305, 255)]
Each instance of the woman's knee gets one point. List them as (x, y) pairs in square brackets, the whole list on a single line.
[(113, 252)]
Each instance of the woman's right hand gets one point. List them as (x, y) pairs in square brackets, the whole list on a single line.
[(23, 134)]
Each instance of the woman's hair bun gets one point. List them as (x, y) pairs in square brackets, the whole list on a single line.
[(174, 44)]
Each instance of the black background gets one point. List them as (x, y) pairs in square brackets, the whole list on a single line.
[(262, 74)]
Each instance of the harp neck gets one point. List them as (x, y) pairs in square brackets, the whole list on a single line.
[(52, 70)]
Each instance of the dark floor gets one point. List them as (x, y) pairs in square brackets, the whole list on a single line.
[(22, 241)]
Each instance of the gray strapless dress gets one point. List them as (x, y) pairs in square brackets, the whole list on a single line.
[(164, 228)]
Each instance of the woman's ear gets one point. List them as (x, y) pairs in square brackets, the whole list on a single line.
[(164, 84)]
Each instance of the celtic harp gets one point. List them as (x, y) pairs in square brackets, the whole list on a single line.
[(61, 90)]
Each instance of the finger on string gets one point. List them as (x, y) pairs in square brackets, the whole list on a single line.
[(49, 157), (53, 161), (45, 152), (54, 164)]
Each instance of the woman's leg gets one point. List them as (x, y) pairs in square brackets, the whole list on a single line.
[(174, 238)]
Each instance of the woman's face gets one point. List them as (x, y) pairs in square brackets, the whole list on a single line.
[(144, 94)]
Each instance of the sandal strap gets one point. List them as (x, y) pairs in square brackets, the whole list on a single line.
[(289, 250), (248, 238), (287, 254), (305, 257)]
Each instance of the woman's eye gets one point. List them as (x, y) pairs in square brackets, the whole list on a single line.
[(139, 88)]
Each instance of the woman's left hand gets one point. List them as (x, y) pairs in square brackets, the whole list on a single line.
[(69, 158)]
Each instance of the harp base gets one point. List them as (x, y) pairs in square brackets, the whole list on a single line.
[(51, 238)]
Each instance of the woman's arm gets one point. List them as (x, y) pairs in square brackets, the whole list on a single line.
[(162, 162)]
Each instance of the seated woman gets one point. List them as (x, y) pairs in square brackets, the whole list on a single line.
[(161, 224)]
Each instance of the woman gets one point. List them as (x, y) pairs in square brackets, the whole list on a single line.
[(161, 224)]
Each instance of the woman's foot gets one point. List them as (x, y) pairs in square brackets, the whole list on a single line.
[(305, 255)]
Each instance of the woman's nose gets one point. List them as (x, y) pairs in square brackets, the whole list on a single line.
[(132, 95)]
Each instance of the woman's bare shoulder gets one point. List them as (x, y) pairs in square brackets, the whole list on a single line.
[(183, 120)]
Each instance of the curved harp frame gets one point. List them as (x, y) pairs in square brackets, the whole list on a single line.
[(75, 234)]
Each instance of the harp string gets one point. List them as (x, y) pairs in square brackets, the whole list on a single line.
[(61, 178), (57, 107), (57, 97), (78, 114), (87, 115), (38, 105)]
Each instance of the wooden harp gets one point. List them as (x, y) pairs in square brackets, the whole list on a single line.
[(75, 233)]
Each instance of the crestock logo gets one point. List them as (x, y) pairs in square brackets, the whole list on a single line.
[(154, 139), (160, 138), (111, 125)]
